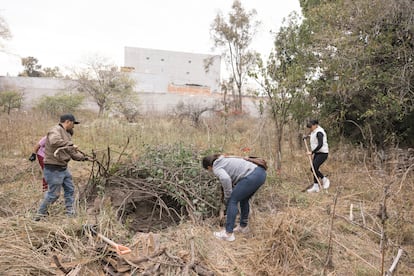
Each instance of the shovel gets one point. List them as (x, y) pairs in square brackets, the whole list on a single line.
[(120, 249), (311, 163)]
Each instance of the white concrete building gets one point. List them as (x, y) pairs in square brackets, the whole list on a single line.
[(167, 71)]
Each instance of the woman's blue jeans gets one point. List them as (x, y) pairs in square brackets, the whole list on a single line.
[(242, 192), (56, 180)]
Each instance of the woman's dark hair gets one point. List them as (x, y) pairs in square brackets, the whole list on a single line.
[(312, 123), (209, 160)]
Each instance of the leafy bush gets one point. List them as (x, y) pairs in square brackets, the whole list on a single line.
[(10, 100), (60, 103)]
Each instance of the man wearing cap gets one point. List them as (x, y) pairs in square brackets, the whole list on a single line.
[(59, 150)]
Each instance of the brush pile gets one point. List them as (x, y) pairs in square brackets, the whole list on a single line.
[(164, 186)]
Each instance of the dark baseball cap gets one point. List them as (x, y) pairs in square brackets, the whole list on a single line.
[(69, 117)]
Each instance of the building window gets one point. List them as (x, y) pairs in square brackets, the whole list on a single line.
[(189, 61), (162, 59), (147, 58)]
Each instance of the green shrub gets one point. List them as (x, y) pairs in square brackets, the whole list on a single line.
[(60, 103), (10, 100)]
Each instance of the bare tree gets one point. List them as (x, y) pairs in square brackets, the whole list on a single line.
[(234, 35), (105, 83), (127, 104), (193, 111), (282, 79)]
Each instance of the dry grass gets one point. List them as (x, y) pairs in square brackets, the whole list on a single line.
[(290, 229)]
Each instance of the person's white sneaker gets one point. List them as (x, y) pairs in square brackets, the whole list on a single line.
[(222, 235), (326, 182), (314, 189), (243, 230)]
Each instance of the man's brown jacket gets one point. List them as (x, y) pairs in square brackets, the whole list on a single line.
[(60, 141)]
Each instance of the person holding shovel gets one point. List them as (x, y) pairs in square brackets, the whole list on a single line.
[(319, 151), (59, 150), (240, 180)]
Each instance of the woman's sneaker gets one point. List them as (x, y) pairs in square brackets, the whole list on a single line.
[(243, 230), (326, 182), (314, 189), (222, 235)]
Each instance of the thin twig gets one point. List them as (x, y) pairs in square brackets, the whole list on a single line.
[(382, 214), (361, 208), (123, 150), (359, 225), (394, 263), (328, 261)]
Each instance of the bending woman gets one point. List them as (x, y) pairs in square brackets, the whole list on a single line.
[(240, 179)]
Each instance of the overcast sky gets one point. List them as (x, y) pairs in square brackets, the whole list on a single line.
[(66, 33)]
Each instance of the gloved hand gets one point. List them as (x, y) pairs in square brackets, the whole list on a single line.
[(226, 201), (32, 157), (87, 158)]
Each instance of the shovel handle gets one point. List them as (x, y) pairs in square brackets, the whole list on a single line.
[(120, 249), (311, 163)]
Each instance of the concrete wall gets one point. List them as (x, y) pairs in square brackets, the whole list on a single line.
[(34, 88), (150, 102)]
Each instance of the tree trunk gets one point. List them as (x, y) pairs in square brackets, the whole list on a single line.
[(101, 110), (278, 147), (239, 100)]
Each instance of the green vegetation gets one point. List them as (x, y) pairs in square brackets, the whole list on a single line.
[(60, 103), (10, 100), (361, 54)]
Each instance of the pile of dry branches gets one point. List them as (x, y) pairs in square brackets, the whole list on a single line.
[(166, 184), (49, 249)]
